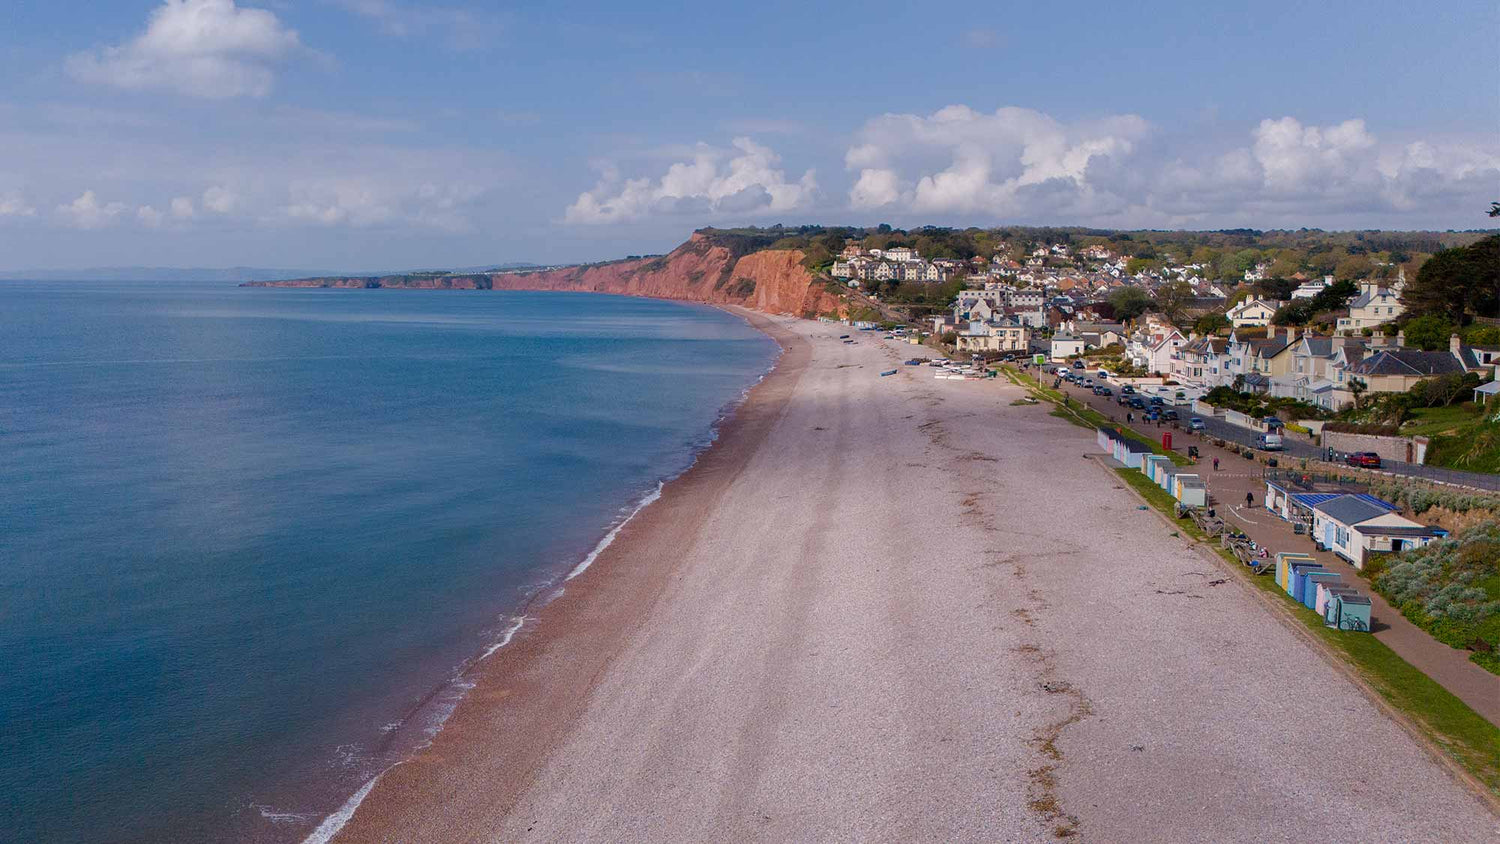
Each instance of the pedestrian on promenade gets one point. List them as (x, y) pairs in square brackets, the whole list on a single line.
[(1249, 499), (1216, 464), (1130, 417)]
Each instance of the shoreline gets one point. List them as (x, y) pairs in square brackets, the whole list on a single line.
[(859, 617), (558, 616)]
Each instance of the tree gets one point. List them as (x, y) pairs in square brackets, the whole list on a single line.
[(1129, 302), (1211, 323), (1357, 387), (1458, 283), (1353, 267), (1429, 332), (1172, 299)]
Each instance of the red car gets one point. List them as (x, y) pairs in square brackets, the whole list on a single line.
[(1364, 460)]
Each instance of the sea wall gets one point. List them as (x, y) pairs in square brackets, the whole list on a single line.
[(1403, 449)]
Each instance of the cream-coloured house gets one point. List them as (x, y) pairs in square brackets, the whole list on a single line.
[(1375, 305), (1253, 313)]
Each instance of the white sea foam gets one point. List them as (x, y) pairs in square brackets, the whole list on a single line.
[(335, 822), (274, 816), (609, 538), (510, 633)]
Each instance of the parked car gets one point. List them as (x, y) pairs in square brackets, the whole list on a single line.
[(1170, 415), (1364, 459), (1077, 364), (1196, 424), (1137, 403), (1269, 442), (1128, 389), (1105, 391), (1123, 400)]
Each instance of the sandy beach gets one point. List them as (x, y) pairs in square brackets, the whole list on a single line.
[(894, 609)]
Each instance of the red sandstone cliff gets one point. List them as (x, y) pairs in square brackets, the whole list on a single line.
[(773, 281)]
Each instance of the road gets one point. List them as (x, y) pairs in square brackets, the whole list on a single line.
[(1216, 427)]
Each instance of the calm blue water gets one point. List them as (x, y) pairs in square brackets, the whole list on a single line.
[(248, 535)]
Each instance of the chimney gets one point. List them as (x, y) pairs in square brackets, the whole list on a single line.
[(1401, 339), (1456, 345)]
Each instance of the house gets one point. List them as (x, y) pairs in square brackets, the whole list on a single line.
[(1201, 361), (1002, 335), (1155, 354), (1065, 346), (901, 254), (1353, 527), (1398, 369), (1375, 305), (1310, 289), (1252, 312)]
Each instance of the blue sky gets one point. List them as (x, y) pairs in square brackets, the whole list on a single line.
[(372, 134)]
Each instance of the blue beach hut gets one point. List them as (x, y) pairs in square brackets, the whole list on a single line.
[(1312, 582)]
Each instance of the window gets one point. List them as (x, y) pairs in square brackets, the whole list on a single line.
[(1340, 536)]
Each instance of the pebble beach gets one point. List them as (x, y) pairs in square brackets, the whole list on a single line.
[(901, 608)]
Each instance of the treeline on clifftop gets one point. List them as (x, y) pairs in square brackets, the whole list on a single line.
[(1224, 254)]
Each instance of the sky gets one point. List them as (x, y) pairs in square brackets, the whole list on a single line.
[(386, 134)]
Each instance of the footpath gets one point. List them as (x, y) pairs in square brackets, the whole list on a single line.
[(1237, 477)]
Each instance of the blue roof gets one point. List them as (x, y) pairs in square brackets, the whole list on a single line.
[(1312, 499)]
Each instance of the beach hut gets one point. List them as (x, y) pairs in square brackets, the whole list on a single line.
[(1131, 453), (1152, 464), (1106, 439), (1314, 581), (1192, 492), (1324, 592), (1331, 607), (1284, 560), (1353, 612), (1178, 480), (1165, 474), (1297, 578)]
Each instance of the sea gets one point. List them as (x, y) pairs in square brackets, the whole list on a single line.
[(253, 540)]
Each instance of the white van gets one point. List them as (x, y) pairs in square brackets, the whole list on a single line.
[(1269, 442)]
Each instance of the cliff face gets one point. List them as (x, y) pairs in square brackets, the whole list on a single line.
[(773, 281)]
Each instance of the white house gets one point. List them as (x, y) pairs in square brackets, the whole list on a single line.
[(1309, 289), (1253, 313), (1375, 305), (1065, 346), (1353, 526)]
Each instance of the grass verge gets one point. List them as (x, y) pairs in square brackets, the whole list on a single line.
[(1458, 731)]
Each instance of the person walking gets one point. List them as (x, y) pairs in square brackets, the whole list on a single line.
[(1249, 499), (1216, 464)]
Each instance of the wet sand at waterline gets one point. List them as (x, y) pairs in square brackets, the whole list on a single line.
[(899, 609)]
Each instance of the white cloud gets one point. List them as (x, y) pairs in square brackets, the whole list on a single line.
[(182, 208), (12, 204), (202, 48), (87, 212), (220, 200), (149, 217), (463, 29), (743, 181), (957, 159), (1022, 165)]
